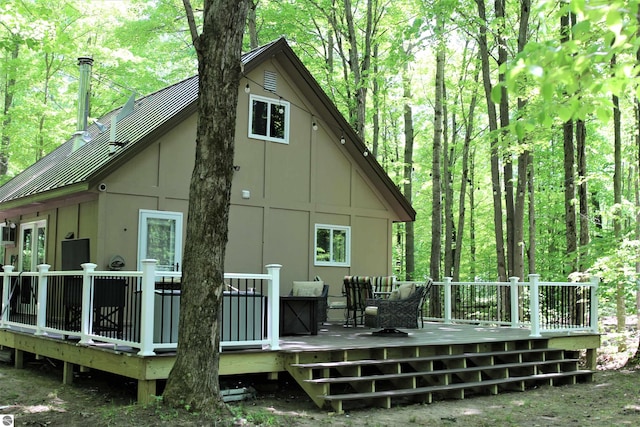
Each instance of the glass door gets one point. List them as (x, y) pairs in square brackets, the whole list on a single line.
[(160, 238), (32, 253)]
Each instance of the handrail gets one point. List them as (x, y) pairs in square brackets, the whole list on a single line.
[(147, 315), (527, 305)]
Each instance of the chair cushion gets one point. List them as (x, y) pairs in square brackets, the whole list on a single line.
[(307, 289), (371, 310), (407, 290)]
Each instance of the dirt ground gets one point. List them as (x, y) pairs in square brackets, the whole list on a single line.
[(35, 396)]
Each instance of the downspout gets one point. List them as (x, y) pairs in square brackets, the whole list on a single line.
[(85, 63)]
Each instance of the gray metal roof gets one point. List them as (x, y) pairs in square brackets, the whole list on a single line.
[(153, 115)]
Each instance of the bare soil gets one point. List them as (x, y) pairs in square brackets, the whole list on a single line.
[(35, 396)]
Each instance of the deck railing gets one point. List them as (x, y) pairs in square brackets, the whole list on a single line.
[(137, 309), (540, 306)]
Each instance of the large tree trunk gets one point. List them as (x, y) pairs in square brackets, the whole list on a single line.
[(193, 381)]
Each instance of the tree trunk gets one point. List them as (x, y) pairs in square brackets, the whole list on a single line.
[(583, 193), (252, 25), (193, 381), (504, 126), (617, 200), (464, 180), (447, 184), (436, 199), (571, 234), (524, 158), (435, 303), (408, 171), (10, 83), (495, 160)]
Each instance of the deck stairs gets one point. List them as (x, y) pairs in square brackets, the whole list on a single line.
[(388, 376)]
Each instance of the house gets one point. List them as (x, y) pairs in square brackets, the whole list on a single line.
[(305, 193)]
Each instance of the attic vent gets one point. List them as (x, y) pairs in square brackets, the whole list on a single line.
[(270, 80)]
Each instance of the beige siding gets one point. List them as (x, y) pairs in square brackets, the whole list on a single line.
[(288, 188)]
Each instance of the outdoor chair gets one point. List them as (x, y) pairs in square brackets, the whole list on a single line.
[(403, 309), (357, 289), (383, 285)]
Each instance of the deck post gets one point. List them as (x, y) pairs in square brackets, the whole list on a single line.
[(273, 311), (447, 300), (86, 318), (593, 313), (515, 308), (534, 305), (41, 313), (147, 308), (6, 289)]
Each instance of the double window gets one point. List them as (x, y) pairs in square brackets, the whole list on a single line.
[(333, 245), (269, 119)]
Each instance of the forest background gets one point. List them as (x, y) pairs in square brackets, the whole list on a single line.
[(513, 127)]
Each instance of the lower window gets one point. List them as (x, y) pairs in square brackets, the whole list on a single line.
[(333, 245)]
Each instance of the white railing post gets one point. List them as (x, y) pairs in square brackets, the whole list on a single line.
[(273, 311), (41, 313), (6, 289), (147, 308), (515, 308), (593, 314), (447, 300), (86, 313), (534, 305)]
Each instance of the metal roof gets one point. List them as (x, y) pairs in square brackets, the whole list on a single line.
[(153, 114)]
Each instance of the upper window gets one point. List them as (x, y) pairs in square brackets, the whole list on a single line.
[(268, 119), (333, 245)]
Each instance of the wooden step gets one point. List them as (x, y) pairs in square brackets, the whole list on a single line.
[(365, 362), (377, 377), (383, 398)]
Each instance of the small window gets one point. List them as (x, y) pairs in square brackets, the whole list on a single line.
[(333, 245), (269, 119)]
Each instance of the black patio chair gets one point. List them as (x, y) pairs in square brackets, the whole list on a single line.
[(357, 289)]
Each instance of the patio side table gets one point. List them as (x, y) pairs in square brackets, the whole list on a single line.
[(298, 315)]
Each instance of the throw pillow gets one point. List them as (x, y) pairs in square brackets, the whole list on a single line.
[(406, 290), (307, 289)]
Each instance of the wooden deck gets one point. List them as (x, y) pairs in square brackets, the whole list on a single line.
[(336, 344)]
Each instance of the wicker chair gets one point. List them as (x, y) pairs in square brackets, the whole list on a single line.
[(390, 314)]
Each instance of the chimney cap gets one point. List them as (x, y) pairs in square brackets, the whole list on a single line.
[(85, 60)]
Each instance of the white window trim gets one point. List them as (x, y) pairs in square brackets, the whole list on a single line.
[(332, 228), (287, 118), (145, 214), (34, 226)]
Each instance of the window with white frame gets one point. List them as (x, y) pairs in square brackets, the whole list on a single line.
[(160, 238), (333, 245), (269, 119)]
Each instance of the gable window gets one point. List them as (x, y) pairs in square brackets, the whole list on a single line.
[(333, 245), (268, 119)]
